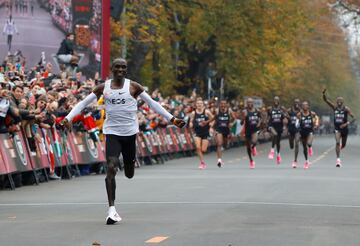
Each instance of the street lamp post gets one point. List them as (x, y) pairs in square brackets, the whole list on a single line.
[(210, 74)]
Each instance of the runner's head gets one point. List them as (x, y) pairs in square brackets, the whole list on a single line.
[(340, 101), (199, 104), (297, 103), (223, 105), (305, 106), (119, 68), (276, 101), (250, 103)]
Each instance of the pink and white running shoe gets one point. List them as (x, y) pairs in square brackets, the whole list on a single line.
[(271, 154), (294, 164), (338, 162), (306, 165), (252, 164), (310, 151), (278, 159), (202, 165), (254, 151)]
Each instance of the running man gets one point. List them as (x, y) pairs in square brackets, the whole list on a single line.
[(10, 30), (121, 125), (293, 129), (223, 117), (200, 120), (308, 122), (341, 123), (251, 119), (276, 117)]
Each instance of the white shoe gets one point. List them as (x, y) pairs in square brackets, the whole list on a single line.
[(113, 216)]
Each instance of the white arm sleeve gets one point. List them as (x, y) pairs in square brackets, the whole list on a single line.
[(155, 106), (80, 106)]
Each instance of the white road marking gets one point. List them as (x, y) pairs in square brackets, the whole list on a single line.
[(323, 155), (287, 204)]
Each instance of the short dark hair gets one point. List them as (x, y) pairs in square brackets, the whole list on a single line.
[(18, 86)]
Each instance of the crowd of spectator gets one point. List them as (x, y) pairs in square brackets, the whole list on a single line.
[(36, 97)]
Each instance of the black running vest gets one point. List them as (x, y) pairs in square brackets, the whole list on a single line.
[(200, 118), (222, 120), (340, 117), (251, 121)]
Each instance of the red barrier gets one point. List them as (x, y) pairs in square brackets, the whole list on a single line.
[(14, 154), (49, 149), (189, 139), (56, 142), (148, 145), (3, 169), (60, 148), (182, 139), (154, 143), (162, 141), (141, 147), (175, 140), (39, 158), (84, 149), (171, 140)]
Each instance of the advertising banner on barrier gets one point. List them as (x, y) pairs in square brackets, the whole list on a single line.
[(140, 146), (162, 143), (3, 169), (49, 149), (55, 141), (175, 140), (154, 143), (148, 145), (168, 140), (68, 145), (85, 149), (39, 156), (14, 154), (182, 139), (189, 139)]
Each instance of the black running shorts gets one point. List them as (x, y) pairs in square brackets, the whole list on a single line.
[(344, 132), (126, 145)]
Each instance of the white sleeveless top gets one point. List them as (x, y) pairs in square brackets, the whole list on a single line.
[(121, 110)]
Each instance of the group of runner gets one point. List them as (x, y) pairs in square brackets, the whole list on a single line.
[(121, 126), (299, 120)]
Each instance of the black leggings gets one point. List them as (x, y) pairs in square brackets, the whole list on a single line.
[(114, 146), (9, 40)]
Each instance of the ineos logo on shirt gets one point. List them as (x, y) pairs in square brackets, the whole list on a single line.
[(116, 101)]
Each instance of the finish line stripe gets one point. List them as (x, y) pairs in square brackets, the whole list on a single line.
[(156, 239), (181, 203)]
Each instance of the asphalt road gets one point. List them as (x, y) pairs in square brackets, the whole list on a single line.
[(270, 205)]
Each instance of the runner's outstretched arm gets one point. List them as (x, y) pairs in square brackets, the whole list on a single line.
[(327, 100), (160, 109), (93, 96), (140, 91)]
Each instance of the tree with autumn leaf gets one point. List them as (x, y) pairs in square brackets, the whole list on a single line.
[(260, 47)]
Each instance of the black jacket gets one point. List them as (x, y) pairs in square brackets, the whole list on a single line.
[(66, 48)]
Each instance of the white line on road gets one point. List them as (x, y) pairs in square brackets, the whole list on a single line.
[(287, 204), (322, 156)]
